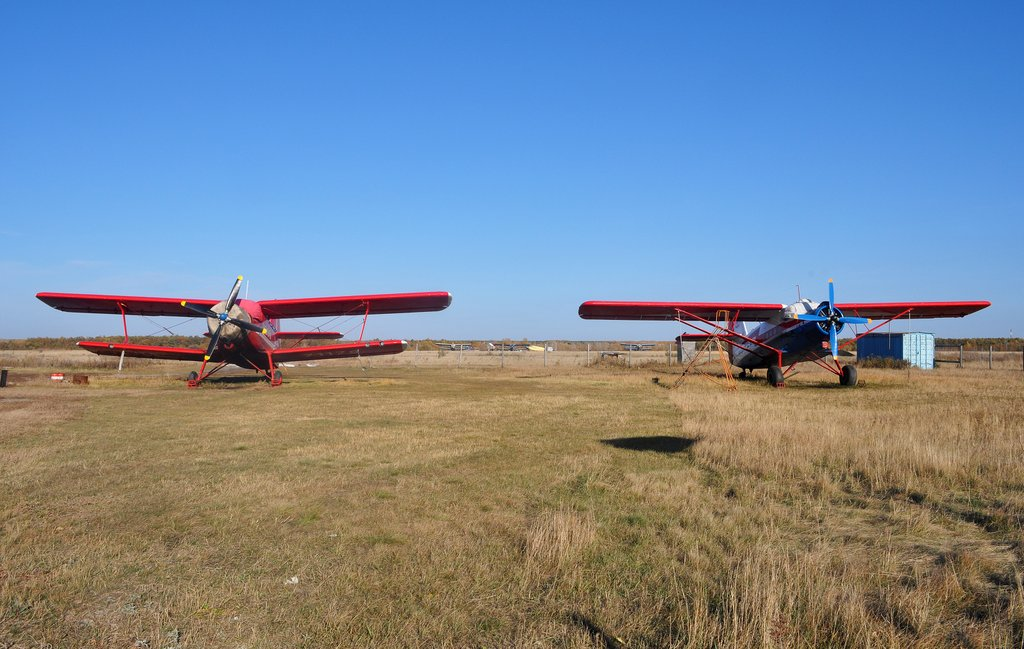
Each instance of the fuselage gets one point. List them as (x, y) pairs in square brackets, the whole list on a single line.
[(247, 349), (797, 339)]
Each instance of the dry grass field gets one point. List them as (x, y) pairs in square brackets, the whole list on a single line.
[(423, 504)]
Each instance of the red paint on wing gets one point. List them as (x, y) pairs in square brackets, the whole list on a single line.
[(602, 310), (916, 309), (356, 305), (348, 350), (307, 335), (132, 304), (147, 351)]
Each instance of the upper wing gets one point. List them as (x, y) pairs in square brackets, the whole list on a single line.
[(148, 351), (132, 305), (347, 350), (913, 309), (598, 310), (356, 305)]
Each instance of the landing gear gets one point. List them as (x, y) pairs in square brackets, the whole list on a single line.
[(192, 380), (276, 378), (848, 376), (775, 377)]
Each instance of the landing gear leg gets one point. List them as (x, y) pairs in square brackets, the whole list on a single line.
[(775, 377)]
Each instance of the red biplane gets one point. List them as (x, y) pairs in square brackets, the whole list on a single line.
[(247, 333), (777, 336)]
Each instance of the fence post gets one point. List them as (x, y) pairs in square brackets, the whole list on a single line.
[(545, 353), (588, 354), (961, 366), (990, 357)]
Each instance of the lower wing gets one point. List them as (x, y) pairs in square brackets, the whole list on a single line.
[(347, 350), (147, 351)]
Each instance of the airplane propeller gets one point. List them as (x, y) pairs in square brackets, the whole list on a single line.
[(223, 317), (831, 320)]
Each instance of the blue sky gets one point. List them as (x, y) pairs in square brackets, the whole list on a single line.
[(525, 157)]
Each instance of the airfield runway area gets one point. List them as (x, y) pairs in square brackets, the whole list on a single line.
[(416, 502)]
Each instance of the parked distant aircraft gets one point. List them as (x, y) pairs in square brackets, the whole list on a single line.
[(247, 333), (456, 347), (770, 336), (637, 347), (509, 347)]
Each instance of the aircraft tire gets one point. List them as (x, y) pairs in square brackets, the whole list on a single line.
[(849, 376), (192, 376), (775, 377)]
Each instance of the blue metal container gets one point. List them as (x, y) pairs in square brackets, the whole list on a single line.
[(916, 347)]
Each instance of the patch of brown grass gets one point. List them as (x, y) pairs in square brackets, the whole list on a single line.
[(404, 506)]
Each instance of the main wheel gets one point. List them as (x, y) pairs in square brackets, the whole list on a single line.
[(775, 377), (848, 376), (192, 376)]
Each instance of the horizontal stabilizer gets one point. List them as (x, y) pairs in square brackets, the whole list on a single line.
[(308, 335), (699, 337)]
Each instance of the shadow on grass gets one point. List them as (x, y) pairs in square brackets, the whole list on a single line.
[(598, 634), (656, 443), (231, 380)]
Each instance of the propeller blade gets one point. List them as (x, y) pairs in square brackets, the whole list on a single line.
[(198, 309), (831, 294), (834, 340), (234, 294), (247, 325), (811, 317), (214, 337), (850, 319)]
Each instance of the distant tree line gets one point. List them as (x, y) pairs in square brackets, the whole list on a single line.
[(982, 344)]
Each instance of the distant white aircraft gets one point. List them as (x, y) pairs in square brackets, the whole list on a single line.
[(456, 347), (637, 347)]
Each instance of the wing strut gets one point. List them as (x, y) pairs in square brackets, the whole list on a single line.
[(879, 325), (724, 334), (365, 316), (124, 321)]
